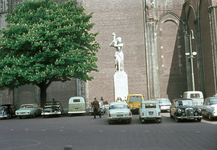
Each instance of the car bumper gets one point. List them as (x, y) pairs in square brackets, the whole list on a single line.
[(76, 112), (150, 118), (120, 118), (165, 108), (3, 116), (51, 113), (24, 115), (189, 117)]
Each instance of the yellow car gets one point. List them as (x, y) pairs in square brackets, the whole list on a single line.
[(134, 101)]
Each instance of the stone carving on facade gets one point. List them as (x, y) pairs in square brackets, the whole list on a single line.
[(119, 55), (3, 6), (79, 3), (149, 8)]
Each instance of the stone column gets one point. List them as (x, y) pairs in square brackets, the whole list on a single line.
[(188, 62), (199, 49), (213, 30), (150, 25)]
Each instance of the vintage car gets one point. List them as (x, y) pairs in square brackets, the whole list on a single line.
[(28, 110), (102, 108), (164, 104), (52, 108), (149, 110), (209, 109), (119, 111), (7, 111), (76, 105), (134, 102), (185, 109)]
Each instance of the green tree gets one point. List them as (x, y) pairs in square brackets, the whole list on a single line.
[(46, 42)]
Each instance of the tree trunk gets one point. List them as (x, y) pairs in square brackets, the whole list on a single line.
[(43, 91), (43, 95)]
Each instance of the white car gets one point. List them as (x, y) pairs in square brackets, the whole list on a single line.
[(164, 104), (209, 109), (150, 110), (119, 111)]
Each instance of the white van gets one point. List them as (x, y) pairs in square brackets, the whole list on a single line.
[(196, 96), (76, 105)]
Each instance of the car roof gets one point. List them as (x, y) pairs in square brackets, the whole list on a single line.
[(162, 98), (183, 99), (29, 104), (52, 101), (151, 101), (117, 103), (6, 104)]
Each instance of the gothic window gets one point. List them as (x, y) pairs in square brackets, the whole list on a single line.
[(3, 6)]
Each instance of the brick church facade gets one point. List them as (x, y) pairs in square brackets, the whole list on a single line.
[(157, 36)]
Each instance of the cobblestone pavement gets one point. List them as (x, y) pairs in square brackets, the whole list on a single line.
[(86, 133)]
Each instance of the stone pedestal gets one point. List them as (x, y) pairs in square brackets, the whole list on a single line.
[(121, 85)]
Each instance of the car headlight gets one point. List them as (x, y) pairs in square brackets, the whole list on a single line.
[(199, 110), (179, 111)]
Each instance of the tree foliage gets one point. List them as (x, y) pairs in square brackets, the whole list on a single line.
[(45, 42)]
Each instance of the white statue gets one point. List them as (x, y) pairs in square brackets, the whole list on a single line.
[(119, 55)]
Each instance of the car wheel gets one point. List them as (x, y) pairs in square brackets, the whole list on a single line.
[(128, 121), (90, 114), (199, 119), (33, 116), (176, 119), (171, 115), (44, 116), (20, 117), (159, 120), (109, 121), (210, 118), (9, 116)]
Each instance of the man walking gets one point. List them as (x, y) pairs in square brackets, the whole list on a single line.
[(95, 106)]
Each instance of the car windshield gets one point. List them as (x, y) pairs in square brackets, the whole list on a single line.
[(195, 96), (213, 101), (118, 106), (3, 107), (52, 104), (135, 99), (149, 105), (161, 101), (26, 106), (184, 103)]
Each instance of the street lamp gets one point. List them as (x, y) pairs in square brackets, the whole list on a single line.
[(191, 56)]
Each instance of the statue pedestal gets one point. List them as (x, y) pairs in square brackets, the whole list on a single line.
[(121, 85)]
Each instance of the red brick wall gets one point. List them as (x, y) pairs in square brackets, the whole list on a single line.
[(125, 18)]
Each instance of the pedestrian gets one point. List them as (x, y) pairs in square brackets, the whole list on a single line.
[(95, 106), (101, 98)]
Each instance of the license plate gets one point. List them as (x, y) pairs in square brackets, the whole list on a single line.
[(22, 112), (119, 115), (76, 108), (150, 113)]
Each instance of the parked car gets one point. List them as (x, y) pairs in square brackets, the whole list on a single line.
[(209, 109), (150, 110), (7, 111), (76, 105), (52, 108), (185, 109), (28, 110), (102, 108), (164, 104), (119, 111), (134, 102), (196, 96)]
